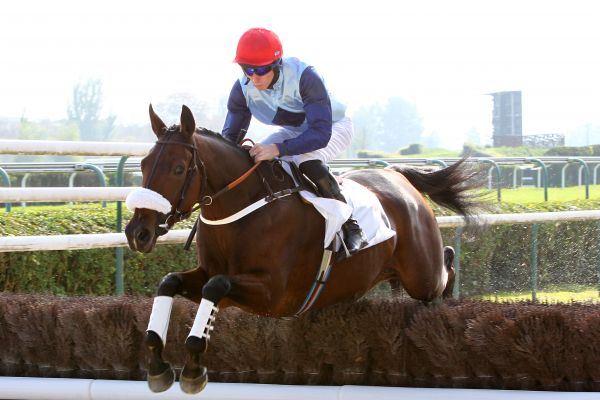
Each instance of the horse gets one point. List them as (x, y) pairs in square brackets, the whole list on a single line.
[(265, 261)]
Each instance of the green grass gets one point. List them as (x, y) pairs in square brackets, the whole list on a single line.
[(536, 195), (560, 294), (433, 153), (521, 151)]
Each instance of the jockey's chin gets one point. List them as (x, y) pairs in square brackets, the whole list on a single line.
[(141, 231)]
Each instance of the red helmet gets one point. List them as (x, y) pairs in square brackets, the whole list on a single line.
[(258, 46)]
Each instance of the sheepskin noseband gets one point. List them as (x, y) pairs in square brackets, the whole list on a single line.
[(146, 198)]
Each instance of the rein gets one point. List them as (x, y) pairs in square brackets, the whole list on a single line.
[(176, 215), (207, 200)]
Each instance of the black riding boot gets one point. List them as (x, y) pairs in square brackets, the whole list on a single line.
[(328, 187)]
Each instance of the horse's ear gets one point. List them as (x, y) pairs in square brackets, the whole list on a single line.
[(188, 124), (158, 126)]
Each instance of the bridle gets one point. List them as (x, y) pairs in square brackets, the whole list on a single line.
[(176, 215)]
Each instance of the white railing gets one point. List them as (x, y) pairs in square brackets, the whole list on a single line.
[(99, 240), (96, 389), (53, 147), (63, 194)]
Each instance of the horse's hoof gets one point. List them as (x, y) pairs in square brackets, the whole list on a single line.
[(195, 383), (163, 381)]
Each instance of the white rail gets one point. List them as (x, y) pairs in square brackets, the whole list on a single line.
[(79, 242), (95, 389), (61, 194), (53, 147), (100, 240), (522, 218)]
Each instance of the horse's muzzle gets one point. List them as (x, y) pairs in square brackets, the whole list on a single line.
[(141, 233)]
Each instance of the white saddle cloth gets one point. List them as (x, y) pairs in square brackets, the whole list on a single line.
[(363, 205)]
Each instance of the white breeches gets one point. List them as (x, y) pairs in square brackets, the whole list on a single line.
[(341, 137)]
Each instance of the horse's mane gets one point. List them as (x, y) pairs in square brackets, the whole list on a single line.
[(175, 128), (218, 136), (221, 139)]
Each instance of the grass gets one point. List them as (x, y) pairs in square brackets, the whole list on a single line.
[(536, 195), (559, 294)]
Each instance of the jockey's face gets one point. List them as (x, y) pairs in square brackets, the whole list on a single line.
[(262, 82)]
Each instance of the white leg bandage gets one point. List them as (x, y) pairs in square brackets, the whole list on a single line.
[(161, 313), (204, 319)]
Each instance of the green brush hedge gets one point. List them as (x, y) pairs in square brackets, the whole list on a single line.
[(495, 259)]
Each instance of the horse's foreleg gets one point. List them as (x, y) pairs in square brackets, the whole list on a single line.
[(194, 375), (160, 374)]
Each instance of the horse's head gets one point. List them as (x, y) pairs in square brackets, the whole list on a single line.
[(170, 185)]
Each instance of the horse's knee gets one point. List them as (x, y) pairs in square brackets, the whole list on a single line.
[(216, 288), (170, 285)]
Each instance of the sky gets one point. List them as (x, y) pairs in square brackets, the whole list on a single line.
[(444, 56)]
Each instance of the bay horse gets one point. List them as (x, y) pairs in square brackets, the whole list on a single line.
[(266, 262)]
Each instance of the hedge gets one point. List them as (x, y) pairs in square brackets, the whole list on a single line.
[(493, 259), (80, 272)]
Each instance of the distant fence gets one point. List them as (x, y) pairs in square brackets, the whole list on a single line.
[(33, 243), (525, 170)]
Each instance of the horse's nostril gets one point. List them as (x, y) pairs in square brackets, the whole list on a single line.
[(142, 235)]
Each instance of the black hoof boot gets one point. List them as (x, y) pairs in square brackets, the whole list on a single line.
[(162, 381), (355, 239), (160, 374), (193, 381)]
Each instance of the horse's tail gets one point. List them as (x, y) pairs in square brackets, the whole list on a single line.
[(450, 187)]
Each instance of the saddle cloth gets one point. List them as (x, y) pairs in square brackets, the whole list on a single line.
[(363, 205)]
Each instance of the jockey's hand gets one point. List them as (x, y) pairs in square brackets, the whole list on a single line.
[(264, 152)]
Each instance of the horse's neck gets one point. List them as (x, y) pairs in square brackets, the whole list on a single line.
[(224, 164)]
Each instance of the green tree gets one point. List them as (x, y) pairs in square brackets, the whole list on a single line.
[(402, 124), (44, 130), (85, 110), (206, 115), (368, 126), (388, 127)]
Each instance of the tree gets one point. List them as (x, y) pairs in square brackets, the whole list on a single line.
[(170, 111), (387, 127), (85, 110), (45, 130), (368, 126), (402, 124)]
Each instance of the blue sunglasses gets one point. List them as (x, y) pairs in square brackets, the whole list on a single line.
[(250, 70)]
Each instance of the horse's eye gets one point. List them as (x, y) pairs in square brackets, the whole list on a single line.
[(179, 170)]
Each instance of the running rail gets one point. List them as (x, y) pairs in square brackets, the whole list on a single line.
[(92, 241), (96, 389)]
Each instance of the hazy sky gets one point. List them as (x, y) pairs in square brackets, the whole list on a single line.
[(442, 55)]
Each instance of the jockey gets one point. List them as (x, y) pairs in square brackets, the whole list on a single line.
[(290, 94)]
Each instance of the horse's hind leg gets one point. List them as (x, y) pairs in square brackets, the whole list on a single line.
[(160, 374), (194, 375), (449, 264)]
